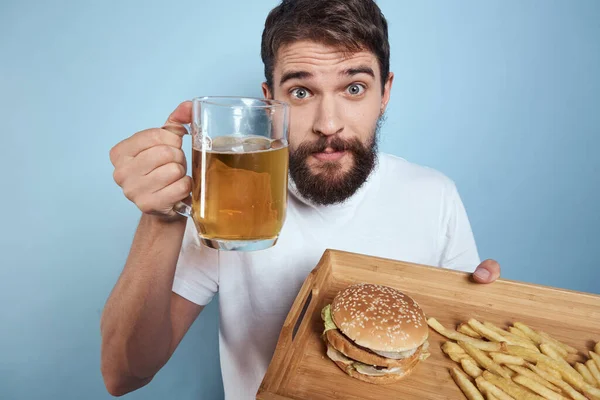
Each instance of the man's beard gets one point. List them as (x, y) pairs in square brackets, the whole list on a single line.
[(330, 185)]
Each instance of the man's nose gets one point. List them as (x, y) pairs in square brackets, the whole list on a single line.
[(327, 120)]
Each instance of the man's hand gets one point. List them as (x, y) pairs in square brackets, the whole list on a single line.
[(487, 272), (150, 166)]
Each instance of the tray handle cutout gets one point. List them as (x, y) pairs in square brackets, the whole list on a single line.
[(302, 314), (305, 304)]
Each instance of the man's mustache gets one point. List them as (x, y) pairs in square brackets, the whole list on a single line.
[(335, 143)]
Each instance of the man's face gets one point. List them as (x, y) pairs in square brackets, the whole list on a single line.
[(336, 102)]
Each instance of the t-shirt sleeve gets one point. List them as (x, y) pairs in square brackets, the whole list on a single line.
[(459, 251), (197, 271)]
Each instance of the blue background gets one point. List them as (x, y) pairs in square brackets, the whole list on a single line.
[(502, 96)]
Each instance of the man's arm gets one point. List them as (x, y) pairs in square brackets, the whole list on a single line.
[(144, 321)]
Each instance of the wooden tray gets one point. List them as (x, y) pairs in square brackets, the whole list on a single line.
[(301, 370)]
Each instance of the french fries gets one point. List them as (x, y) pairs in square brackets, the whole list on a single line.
[(530, 374), (512, 332), (502, 358), (451, 347), (453, 335), (510, 387), (494, 336), (450, 334), (457, 357), (467, 330), (511, 338), (496, 329), (531, 334), (483, 360), (542, 337), (456, 353), (526, 354), (517, 332), (551, 352), (485, 346), (550, 370), (517, 363), (596, 358), (566, 347), (465, 385), (557, 349), (537, 388), (491, 390), (471, 368), (569, 373), (585, 372), (591, 392), (594, 371), (564, 386), (485, 331), (571, 377)]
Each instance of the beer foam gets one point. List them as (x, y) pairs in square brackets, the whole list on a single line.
[(242, 144)]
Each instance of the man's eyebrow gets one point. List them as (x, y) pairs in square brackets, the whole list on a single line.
[(362, 69), (294, 75)]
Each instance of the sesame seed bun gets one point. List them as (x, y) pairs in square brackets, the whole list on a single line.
[(379, 318)]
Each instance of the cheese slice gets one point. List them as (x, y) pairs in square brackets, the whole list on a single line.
[(395, 355), (336, 355), (372, 371), (399, 355)]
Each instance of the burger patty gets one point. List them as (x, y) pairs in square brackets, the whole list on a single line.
[(399, 355), (361, 368), (351, 350)]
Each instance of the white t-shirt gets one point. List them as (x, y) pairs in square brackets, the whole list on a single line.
[(404, 211)]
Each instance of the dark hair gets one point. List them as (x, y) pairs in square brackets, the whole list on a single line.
[(351, 25)]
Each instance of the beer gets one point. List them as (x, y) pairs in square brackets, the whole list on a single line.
[(240, 188)]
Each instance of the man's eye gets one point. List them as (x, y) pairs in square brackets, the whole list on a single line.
[(356, 89), (300, 93)]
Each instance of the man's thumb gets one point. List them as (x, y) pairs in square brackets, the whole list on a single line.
[(181, 115)]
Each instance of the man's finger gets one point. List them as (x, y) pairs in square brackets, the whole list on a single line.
[(181, 115), (487, 272), (155, 181), (152, 158), (134, 145)]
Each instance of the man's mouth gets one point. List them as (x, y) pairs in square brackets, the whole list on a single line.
[(329, 155)]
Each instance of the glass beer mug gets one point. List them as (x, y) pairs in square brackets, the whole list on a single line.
[(239, 172)]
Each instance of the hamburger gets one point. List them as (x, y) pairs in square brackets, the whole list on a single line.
[(375, 333)]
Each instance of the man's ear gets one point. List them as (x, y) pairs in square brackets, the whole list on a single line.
[(266, 91), (387, 91)]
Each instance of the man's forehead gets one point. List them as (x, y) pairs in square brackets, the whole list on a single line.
[(313, 55)]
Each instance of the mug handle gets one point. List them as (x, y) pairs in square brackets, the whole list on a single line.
[(180, 207)]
